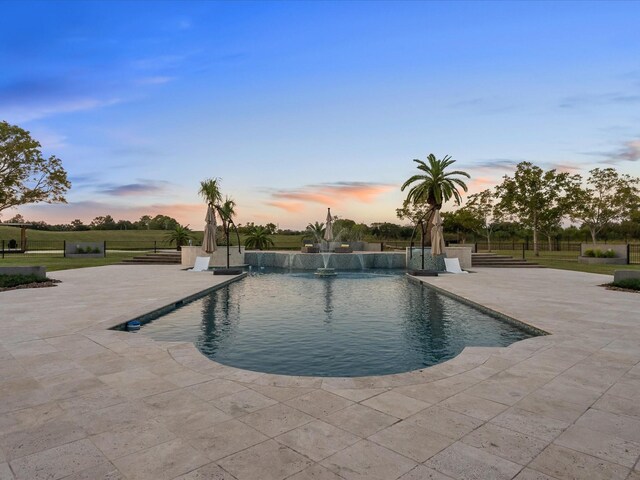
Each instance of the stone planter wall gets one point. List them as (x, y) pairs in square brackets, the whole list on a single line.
[(602, 261), (40, 272), (71, 249)]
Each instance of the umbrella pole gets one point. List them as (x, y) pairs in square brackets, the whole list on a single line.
[(422, 241)]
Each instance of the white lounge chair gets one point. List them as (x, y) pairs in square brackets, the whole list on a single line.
[(201, 265), (452, 265)]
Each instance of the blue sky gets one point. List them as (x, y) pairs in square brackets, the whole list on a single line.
[(298, 106)]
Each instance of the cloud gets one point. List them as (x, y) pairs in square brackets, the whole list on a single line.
[(191, 213), (630, 152), (144, 187), (155, 80), (586, 100), (496, 164), (333, 193), (26, 113), (291, 207), (488, 105)]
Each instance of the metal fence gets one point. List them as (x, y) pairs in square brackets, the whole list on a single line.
[(633, 251), (56, 248)]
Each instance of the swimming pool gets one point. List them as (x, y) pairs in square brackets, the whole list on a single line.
[(354, 324)]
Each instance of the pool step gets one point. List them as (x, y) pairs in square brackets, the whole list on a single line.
[(160, 258), (500, 261)]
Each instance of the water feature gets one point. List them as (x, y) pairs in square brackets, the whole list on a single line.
[(339, 261), (356, 323)]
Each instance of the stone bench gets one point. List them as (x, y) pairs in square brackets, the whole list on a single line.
[(625, 275)]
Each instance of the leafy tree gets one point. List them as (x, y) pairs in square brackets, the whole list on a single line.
[(179, 235), (537, 198), (461, 222), (103, 223), (162, 222), (484, 214), (25, 175), (386, 231), (144, 222), (607, 197), (417, 214), (258, 238), (271, 228), (16, 219), (78, 225)]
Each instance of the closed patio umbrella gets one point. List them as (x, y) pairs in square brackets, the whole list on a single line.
[(437, 234), (209, 240), (328, 227)]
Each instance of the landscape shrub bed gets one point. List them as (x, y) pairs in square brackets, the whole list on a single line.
[(10, 281), (628, 283), (597, 253)]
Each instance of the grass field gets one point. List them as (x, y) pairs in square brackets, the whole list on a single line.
[(566, 261), (58, 262), (115, 237)]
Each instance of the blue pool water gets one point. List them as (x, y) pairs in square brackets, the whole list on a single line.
[(354, 324)]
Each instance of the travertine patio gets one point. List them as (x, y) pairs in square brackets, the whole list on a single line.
[(79, 401)]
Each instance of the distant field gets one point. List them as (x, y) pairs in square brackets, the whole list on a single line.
[(124, 238)]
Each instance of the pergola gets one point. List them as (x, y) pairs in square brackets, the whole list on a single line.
[(23, 232)]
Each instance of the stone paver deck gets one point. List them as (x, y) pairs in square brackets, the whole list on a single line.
[(78, 401)]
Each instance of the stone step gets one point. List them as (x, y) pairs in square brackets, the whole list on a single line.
[(160, 258), (494, 260)]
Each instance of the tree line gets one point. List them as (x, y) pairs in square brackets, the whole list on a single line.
[(550, 204)]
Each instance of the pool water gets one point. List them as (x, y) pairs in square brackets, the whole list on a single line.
[(353, 324)]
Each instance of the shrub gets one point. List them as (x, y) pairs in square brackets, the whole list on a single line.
[(96, 250), (630, 283), (8, 281), (79, 250), (600, 254)]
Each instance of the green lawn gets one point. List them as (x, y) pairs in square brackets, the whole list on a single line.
[(124, 238), (58, 262), (566, 261)]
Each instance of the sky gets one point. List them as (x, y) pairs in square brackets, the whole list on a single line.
[(300, 106)]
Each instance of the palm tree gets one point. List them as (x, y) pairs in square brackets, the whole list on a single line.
[(258, 238), (317, 230), (210, 191), (180, 235), (434, 186)]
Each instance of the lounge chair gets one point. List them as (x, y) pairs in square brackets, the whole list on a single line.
[(201, 265), (452, 265)]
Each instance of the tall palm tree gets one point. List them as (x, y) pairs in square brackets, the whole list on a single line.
[(434, 186), (258, 238), (210, 191)]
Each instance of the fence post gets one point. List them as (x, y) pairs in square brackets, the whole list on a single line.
[(64, 249), (628, 253), (104, 248), (2, 248), (523, 257), (155, 246)]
